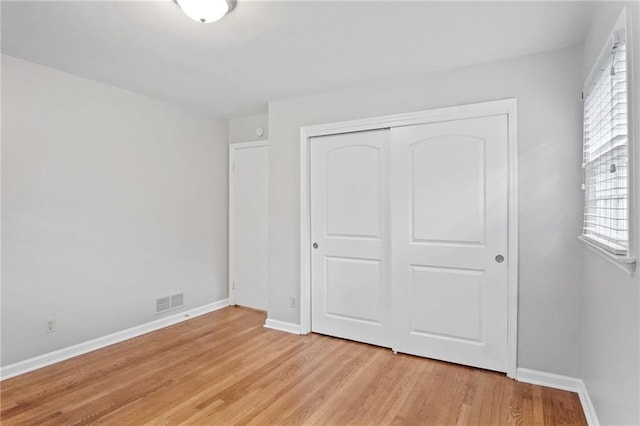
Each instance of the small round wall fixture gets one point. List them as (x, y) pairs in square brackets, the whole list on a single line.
[(206, 11)]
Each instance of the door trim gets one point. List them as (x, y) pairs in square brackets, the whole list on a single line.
[(233, 148), (482, 109)]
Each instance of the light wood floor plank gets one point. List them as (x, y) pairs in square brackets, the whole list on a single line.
[(225, 368)]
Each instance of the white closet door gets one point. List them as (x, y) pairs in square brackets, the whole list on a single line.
[(449, 221), (249, 224), (349, 226)]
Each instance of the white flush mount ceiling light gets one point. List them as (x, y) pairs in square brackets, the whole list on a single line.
[(206, 11)]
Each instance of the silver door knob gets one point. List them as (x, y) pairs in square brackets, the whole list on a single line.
[(499, 258), (315, 245)]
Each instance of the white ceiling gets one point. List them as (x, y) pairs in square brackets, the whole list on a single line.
[(268, 50)]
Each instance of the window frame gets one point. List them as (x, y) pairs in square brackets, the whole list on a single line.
[(626, 262)]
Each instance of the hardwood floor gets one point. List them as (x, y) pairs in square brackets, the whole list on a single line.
[(225, 368)]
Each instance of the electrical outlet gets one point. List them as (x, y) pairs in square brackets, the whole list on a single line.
[(50, 326), (293, 302)]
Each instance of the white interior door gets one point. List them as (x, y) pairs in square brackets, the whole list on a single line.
[(248, 219), (349, 231), (449, 184)]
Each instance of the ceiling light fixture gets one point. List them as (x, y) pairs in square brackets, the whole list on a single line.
[(206, 11)]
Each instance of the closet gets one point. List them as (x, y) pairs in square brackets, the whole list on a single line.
[(409, 238)]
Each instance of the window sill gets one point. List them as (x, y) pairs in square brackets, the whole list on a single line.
[(627, 264)]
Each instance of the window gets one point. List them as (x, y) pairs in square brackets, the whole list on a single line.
[(606, 159)]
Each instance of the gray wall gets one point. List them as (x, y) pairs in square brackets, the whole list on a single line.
[(550, 113), (611, 298), (109, 199), (243, 129)]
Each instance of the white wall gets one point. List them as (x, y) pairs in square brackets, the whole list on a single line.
[(611, 298), (109, 199), (243, 129), (547, 87)]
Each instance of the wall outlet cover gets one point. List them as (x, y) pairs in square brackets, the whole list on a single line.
[(50, 326)]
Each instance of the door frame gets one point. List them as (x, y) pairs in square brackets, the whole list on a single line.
[(233, 148), (461, 112)]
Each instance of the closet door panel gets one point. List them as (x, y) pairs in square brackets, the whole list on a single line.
[(449, 222), (349, 226)]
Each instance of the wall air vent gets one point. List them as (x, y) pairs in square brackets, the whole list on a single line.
[(163, 304), (169, 303), (177, 300)]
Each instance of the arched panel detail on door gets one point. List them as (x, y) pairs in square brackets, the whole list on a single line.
[(348, 215), (459, 217)]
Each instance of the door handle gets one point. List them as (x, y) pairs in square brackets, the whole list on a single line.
[(499, 258), (315, 245)]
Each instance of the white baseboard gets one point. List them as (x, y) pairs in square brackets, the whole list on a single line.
[(287, 327), (548, 379), (44, 360), (587, 405), (564, 383)]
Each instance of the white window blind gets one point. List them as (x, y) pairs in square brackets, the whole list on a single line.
[(606, 154)]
